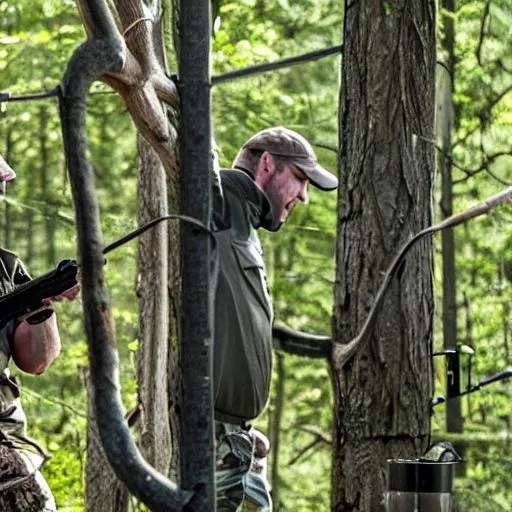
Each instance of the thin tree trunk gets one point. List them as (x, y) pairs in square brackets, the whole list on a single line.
[(198, 275), (30, 238), (382, 397), (445, 112), (9, 150), (506, 313), (45, 187), (154, 432), (469, 343), (171, 12), (505, 300), (103, 491), (275, 430)]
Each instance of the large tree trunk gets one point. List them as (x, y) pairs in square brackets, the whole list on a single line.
[(382, 396)]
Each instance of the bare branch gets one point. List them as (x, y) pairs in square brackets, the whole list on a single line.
[(342, 353), (484, 166), (319, 437), (139, 78), (301, 343), (98, 20), (304, 450), (485, 17)]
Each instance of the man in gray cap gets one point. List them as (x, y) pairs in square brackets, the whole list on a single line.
[(33, 342), (271, 176)]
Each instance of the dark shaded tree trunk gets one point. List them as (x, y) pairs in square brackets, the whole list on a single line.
[(46, 189), (445, 122), (276, 416), (9, 151), (468, 327), (103, 491), (198, 273), (382, 397)]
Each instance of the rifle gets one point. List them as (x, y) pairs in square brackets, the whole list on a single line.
[(27, 297)]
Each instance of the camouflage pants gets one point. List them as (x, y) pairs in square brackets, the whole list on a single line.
[(240, 472), (22, 487)]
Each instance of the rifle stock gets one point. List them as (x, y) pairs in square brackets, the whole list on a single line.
[(28, 296)]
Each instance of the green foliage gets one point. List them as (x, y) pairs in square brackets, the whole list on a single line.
[(36, 40)]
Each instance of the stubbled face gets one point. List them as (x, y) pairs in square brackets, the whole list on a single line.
[(284, 189)]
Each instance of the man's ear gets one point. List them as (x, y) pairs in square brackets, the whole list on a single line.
[(265, 169)]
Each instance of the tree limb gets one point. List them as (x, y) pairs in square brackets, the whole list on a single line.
[(92, 61), (301, 343), (139, 78), (342, 353)]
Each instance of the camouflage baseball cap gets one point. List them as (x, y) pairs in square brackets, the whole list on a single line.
[(6, 173), (280, 141)]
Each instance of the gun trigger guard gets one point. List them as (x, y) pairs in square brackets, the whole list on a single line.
[(37, 316)]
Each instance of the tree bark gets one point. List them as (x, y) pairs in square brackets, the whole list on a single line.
[(153, 427), (103, 491), (275, 429), (198, 263), (382, 397), (158, 287)]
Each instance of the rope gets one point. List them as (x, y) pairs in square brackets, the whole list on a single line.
[(135, 23), (6, 97)]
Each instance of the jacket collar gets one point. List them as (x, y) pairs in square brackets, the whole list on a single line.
[(259, 205)]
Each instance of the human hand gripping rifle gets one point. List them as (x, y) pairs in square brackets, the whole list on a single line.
[(29, 297)]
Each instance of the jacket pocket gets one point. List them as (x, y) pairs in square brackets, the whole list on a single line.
[(252, 265)]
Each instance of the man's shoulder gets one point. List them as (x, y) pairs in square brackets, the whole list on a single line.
[(9, 260), (237, 180), (239, 184), (4, 253)]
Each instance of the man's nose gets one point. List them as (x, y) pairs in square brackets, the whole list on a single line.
[(303, 193)]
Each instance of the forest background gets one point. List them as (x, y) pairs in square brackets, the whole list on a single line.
[(36, 40)]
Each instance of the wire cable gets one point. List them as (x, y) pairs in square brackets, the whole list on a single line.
[(5, 97)]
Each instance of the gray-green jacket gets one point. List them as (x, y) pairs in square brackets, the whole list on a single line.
[(12, 417), (243, 311)]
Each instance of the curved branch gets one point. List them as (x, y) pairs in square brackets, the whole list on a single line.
[(342, 353), (301, 343), (90, 62), (140, 80), (98, 20)]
